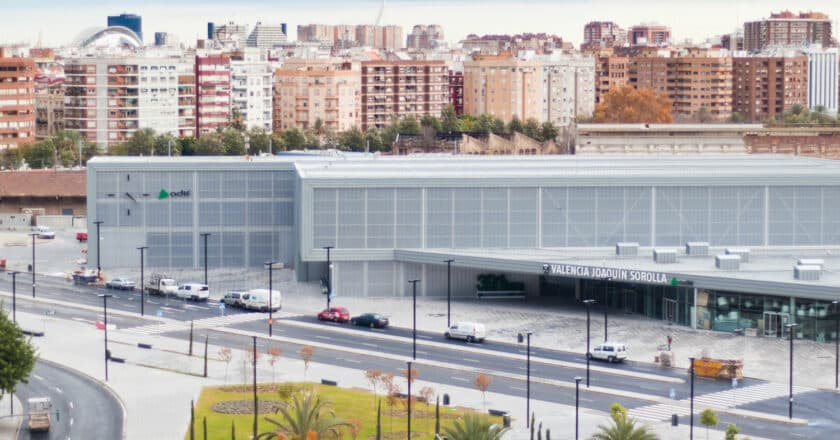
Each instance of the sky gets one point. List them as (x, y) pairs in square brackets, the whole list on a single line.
[(57, 22)]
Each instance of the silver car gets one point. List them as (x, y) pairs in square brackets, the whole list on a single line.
[(120, 284)]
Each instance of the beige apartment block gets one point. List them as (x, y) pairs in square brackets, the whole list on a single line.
[(17, 101), (306, 91), (764, 87), (398, 89), (503, 86)]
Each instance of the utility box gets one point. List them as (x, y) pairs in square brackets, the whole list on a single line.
[(627, 249), (665, 256), (728, 262), (697, 248), (741, 252), (807, 273)]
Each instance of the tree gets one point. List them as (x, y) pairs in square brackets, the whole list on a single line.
[(306, 353), (187, 146), (294, 139), (708, 418), (258, 141), (40, 154), (374, 377), (17, 357), (209, 144), (449, 120), (532, 129), (426, 393), (226, 355), (429, 121), (474, 427), (629, 105), (622, 427), (67, 143), (273, 354), (11, 159), (704, 116), (140, 143), (515, 125), (352, 140), (306, 414), (237, 122), (736, 118), (731, 431), (233, 141), (482, 383), (165, 143), (409, 125), (548, 132), (379, 421)]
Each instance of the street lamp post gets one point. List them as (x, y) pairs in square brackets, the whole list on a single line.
[(105, 297), (606, 304), (577, 405), (790, 328), (14, 296), (204, 235), (142, 250), (329, 276), (836, 346), (408, 375), (34, 234), (98, 256), (527, 338), (588, 303), (414, 319), (270, 265), (448, 291), (256, 402), (691, 408)]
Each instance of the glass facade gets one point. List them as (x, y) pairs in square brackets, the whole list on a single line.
[(667, 303)]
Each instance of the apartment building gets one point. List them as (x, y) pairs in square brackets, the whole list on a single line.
[(503, 86), (425, 37), (538, 43), (251, 77), (388, 37), (401, 89), (700, 82), (611, 72), (49, 107), (267, 36), (787, 29), (107, 99), (823, 79), (602, 34), (456, 91), (648, 68), (766, 86), (17, 101), (568, 88), (306, 91), (649, 35), (212, 90)]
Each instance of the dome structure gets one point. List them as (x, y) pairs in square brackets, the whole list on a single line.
[(108, 37)]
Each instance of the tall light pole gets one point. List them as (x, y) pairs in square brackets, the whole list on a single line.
[(790, 328), (836, 346), (98, 256), (105, 297), (14, 296), (204, 235), (329, 276), (527, 338), (606, 304), (588, 303), (414, 320), (256, 402), (448, 291), (691, 407), (270, 265), (408, 375), (577, 405), (34, 234), (142, 250)]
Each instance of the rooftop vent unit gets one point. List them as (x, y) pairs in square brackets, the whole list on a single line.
[(807, 273), (728, 262), (697, 248), (665, 256), (743, 253), (627, 249), (811, 262)]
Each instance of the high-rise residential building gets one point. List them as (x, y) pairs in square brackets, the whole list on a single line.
[(49, 107), (163, 39), (700, 81), (648, 68), (787, 29), (611, 72), (187, 102), (212, 91), (503, 86), (602, 34), (766, 86), (130, 21), (267, 36), (17, 101), (425, 37), (823, 79), (388, 37), (108, 99), (250, 84), (306, 91), (649, 35), (401, 89), (568, 88), (456, 91), (228, 34), (539, 43)]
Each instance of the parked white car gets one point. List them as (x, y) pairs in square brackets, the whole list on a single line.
[(609, 351), (468, 331), (44, 232), (193, 291), (257, 299)]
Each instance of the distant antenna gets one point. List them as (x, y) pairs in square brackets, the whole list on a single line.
[(381, 11)]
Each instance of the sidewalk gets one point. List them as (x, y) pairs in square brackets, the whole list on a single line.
[(9, 423), (157, 399)]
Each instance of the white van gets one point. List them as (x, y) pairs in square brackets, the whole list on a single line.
[(468, 331), (193, 291), (609, 351), (257, 299)]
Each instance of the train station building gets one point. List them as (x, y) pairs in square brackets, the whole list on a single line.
[(730, 243)]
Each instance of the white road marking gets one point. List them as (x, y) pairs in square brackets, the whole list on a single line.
[(472, 360), (355, 361), (322, 337), (152, 302), (37, 377), (370, 345), (59, 390), (422, 352), (71, 422), (518, 388), (71, 405), (460, 378), (424, 336)]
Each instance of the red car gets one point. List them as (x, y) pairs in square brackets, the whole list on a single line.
[(81, 236), (334, 314)]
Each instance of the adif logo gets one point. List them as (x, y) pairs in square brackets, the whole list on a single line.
[(164, 194)]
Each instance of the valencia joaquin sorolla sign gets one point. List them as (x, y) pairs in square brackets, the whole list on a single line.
[(594, 272)]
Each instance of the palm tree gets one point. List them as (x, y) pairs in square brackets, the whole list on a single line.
[(306, 413), (473, 427), (623, 427)]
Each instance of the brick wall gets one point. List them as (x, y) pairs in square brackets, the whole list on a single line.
[(826, 147)]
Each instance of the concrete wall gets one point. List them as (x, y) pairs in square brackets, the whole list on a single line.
[(14, 222)]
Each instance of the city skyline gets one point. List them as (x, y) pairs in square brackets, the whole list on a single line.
[(187, 19)]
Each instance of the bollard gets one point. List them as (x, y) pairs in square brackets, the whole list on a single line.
[(446, 399)]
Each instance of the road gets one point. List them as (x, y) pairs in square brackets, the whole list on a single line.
[(82, 408)]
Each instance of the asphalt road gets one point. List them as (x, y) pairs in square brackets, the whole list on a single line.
[(82, 408)]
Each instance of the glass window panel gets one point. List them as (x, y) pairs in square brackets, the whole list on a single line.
[(494, 218), (409, 205), (439, 218)]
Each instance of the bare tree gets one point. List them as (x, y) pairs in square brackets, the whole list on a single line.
[(274, 355), (306, 353), (482, 383), (226, 355), (427, 393), (374, 377)]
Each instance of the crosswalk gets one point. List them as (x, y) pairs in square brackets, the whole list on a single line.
[(217, 321), (719, 400)]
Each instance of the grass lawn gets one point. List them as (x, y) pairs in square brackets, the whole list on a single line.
[(348, 404)]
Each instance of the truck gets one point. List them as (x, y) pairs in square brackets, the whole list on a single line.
[(39, 414), (161, 284)]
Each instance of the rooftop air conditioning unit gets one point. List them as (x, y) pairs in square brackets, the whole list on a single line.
[(743, 253), (697, 248), (807, 273), (811, 262), (728, 262), (665, 256), (627, 249)]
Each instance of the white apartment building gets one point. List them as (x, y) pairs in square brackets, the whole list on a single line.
[(267, 36), (251, 80), (822, 78), (568, 88)]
